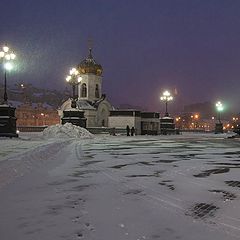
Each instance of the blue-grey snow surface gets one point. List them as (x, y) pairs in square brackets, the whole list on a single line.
[(117, 187)]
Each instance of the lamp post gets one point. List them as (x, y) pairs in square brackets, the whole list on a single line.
[(166, 97), (196, 117), (73, 79), (219, 125), (220, 108), (6, 56), (167, 125), (74, 115), (7, 113)]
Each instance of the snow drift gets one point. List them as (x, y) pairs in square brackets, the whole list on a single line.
[(67, 130)]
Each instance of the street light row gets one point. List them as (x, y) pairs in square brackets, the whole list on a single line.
[(74, 78), (166, 97)]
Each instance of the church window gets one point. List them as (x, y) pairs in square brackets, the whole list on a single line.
[(97, 91), (84, 90)]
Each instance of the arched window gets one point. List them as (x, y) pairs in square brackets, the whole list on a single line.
[(84, 90), (97, 91)]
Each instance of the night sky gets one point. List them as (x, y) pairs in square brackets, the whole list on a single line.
[(143, 46)]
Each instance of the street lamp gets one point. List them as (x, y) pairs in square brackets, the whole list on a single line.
[(166, 97), (220, 108), (73, 79), (74, 116), (6, 56), (219, 125), (7, 113)]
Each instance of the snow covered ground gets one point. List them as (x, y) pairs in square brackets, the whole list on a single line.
[(117, 187)]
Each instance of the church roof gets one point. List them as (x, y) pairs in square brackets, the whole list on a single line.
[(89, 65), (85, 105), (96, 103)]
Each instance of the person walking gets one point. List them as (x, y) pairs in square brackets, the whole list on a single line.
[(128, 130), (132, 131)]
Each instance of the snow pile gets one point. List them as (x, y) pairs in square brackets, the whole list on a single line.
[(67, 130), (230, 135)]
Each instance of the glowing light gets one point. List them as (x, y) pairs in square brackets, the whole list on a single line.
[(2, 54), (8, 66), (12, 56), (68, 78), (166, 96), (17, 131), (219, 106), (196, 116), (79, 79), (72, 71), (5, 49), (8, 57), (166, 93), (213, 118)]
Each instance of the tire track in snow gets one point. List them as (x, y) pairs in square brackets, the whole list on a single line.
[(17, 166)]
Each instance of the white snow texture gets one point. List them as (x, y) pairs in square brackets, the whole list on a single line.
[(67, 130)]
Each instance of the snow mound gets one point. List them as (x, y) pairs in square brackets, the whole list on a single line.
[(230, 135), (67, 130)]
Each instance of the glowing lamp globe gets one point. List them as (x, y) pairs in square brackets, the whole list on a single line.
[(8, 66), (5, 49), (219, 106)]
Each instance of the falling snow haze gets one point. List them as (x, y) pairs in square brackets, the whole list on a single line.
[(143, 46)]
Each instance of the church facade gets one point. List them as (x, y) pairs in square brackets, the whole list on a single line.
[(95, 105)]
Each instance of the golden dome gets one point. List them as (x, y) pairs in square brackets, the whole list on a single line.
[(89, 65)]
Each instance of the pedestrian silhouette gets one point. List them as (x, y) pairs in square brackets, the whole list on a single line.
[(132, 131), (113, 132), (128, 130)]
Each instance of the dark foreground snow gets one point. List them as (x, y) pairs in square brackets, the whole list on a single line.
[(163, 187)]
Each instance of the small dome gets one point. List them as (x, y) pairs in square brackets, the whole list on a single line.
[(89, 65)]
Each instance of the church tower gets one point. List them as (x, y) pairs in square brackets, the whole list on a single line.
[(95, 105), (90, 88)]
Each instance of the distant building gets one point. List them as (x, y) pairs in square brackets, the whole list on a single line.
[(32, 114), (143, 122)]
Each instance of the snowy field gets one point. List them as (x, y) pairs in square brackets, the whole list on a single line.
[(117, 187)]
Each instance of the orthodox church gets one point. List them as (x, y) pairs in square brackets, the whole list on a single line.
[(98, 111), (95, 105)]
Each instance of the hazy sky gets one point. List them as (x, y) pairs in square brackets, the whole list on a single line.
[(143, 46)]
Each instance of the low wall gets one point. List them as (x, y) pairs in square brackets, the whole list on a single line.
[(104, 130), (94, 130), (31, 128)]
